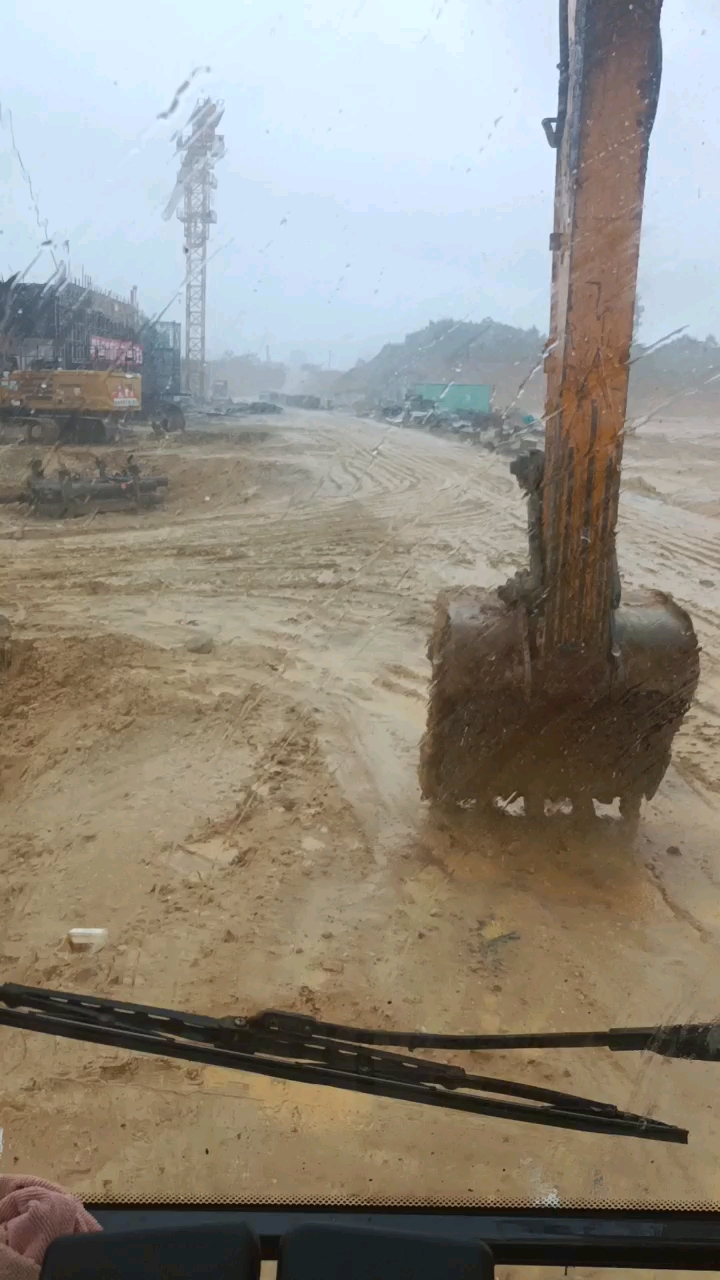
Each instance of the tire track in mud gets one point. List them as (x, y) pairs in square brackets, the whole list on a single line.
[(380, 478), (590, 939), (683, 554), (375, 477), (690, 543), (485, 498), (669, 547)]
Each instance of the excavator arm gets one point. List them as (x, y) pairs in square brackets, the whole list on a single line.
[(554, 687), (610, 79)]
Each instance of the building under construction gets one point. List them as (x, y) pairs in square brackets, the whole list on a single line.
[(71, 324)]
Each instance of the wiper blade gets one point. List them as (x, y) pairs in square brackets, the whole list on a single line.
[(292, 1047)]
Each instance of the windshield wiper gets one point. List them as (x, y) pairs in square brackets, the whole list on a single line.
[(294, 1047)]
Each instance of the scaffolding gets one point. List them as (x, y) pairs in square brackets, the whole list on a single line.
[(201, 147)]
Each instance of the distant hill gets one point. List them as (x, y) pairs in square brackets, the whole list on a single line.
[(504, 357), (450, 351), (682, 371)]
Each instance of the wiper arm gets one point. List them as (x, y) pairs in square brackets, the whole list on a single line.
[(698, 1041), (292, 1047)]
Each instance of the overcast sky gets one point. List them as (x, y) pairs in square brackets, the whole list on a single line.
[(385, 165)]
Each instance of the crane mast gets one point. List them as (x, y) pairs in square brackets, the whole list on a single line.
[(200, 146)]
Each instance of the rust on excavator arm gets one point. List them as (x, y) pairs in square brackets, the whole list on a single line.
[(552, 687)]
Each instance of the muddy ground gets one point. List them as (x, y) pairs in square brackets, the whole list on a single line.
[(247, 825)]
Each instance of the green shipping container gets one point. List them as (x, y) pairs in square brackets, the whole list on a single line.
[(456, 397)]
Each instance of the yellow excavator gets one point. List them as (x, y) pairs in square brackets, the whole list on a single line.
[(556, 687), (69, 406)]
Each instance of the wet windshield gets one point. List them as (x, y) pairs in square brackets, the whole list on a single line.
[(325, 684)]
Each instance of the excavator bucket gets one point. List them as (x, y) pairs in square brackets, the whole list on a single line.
[(554, 687), (495, 732)]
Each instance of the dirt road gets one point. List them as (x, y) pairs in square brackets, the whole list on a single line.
[(209, 748)]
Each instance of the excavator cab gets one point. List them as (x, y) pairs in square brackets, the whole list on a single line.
[(558, 686)]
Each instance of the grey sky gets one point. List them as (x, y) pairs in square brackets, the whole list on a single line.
[(385, 164)]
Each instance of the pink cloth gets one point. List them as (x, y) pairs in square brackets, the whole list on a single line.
[(15, 1267), (34, 1212)]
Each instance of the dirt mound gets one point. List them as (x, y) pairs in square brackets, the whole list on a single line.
[(72, 666), (638, 484), (199, 482), (80, 460), (61, 692)]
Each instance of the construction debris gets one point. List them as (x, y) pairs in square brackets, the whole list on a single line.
[(87, 939), (67, 494), (244, 408), (201, 642), (508, 432)]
